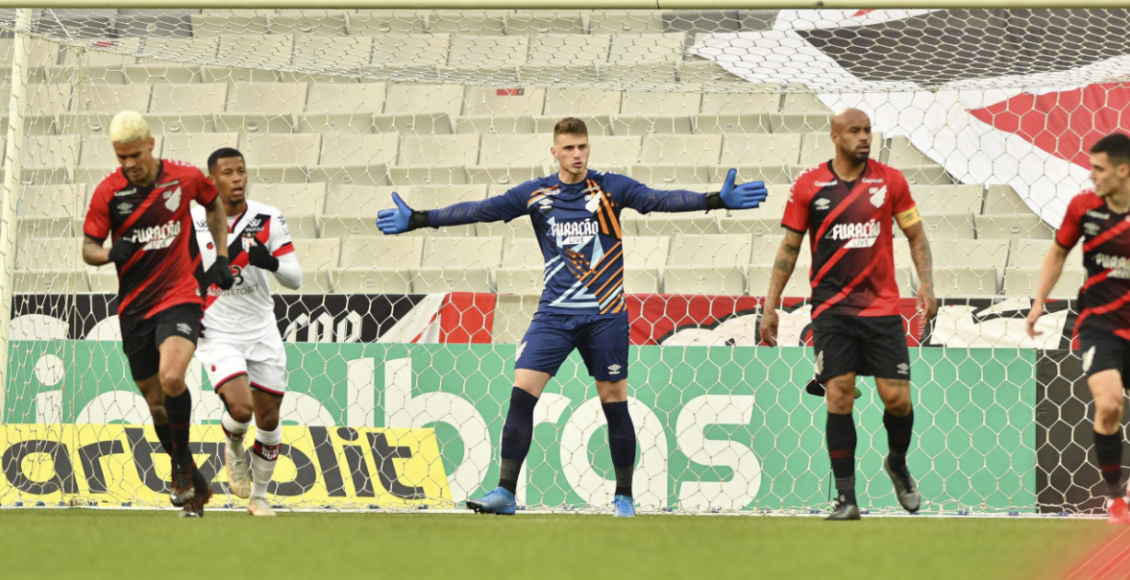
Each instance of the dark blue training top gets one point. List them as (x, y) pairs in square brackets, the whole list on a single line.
[(578, 228)]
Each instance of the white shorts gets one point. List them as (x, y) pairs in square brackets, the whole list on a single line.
[(264, 363)]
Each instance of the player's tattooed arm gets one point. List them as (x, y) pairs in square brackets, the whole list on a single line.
[(924, 264), (93, 253), (783, 267)]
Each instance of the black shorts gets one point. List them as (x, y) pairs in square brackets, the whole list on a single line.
[(866, 346), (1104, 351), (142, 338)]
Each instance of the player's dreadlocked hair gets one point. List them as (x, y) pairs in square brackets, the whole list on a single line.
[(570, 126)]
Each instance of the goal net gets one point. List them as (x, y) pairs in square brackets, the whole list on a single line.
[(401, 349)]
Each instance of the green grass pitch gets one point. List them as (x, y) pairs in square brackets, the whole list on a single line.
[(156, 544)]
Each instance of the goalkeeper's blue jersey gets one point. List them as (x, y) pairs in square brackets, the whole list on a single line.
[(578, 228)]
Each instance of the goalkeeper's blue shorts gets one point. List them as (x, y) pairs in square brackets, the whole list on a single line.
[(601, 339)]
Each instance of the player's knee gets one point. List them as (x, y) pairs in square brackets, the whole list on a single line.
[(172, 382), (267, 422), (240, 412), (1108, 411)]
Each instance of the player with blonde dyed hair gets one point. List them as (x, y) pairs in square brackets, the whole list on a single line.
[(144, 209)]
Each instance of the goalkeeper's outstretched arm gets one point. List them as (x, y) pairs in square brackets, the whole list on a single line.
[(631, 193), (405, 219), (1049, 275), (782, 270)]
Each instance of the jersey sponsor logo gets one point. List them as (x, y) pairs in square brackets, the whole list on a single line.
[(821, 204), (157, 237), (217, 292), (125, 192), (825, 183), (575, 232), (858, 235), (1091, 229), (869, 180), (1098, 214), (1110, 262), (172, 199), (878, 195)]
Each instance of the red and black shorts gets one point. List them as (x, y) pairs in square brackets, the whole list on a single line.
[(141, 339), (866, 346)]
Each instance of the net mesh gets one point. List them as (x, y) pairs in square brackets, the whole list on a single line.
[(400, 349)]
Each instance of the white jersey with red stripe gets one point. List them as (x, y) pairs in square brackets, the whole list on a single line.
[(246, 312)]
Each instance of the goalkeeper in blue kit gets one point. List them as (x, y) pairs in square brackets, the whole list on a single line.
[(576, 217)]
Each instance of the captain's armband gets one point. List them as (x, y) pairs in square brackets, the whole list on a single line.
[(908, 218)]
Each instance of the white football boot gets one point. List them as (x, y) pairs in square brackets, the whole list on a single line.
[(260, 508), (239, 479)]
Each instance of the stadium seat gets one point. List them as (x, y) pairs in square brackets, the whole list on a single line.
[(1021, 282), (314, 281), (163, 49), (707, 264), (558, 22), (518, 228), (512, 317), (307, 23), (1002, 199), (48, 211), (503, 110), (1031, 253), (420, 109), (98, 153), (383, 252), (196, 147), (677, 159), (1013, 227), (371, 281), (339, 108), (357, 159), (320, 254), (642, 281), (749, 223), (300, 204), (482, 22), (379, 22), (951, 226), (49, 254), (633, 50), (51, 282), (758, 157), (458, 265), (49, 153), (627, 22), (100, 65), (109, 99), (801, 113), (595, 107), (650, 112), (214, 21), (428, 197), (510, 159), (765, 253), (102, 280), (46, 103), (918, 168), (797, 287), (667, 224), (257, 51), (435, 159), (737, 113), (525, 281), (186, 108), (352, 52), (557, 51), (935, 199), (488, 53), (281, 158), (263, 107), (398, 51), (646, 252), (522, 255), (351, 210), (965, 282)]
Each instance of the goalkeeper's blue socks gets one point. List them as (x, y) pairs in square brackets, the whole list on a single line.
[(621, 444), (517, 433)]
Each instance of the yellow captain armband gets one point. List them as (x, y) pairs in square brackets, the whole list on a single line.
[(908, 218)]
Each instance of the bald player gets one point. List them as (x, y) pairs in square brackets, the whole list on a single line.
[(847, 206)]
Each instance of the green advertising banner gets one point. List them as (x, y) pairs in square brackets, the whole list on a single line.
[(719, 428)]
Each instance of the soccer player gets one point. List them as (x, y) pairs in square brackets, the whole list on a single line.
[(240, 345), (1101, 218), (144, 209), (847, 205), (576, 216)]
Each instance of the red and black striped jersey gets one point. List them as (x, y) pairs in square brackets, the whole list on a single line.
[(849, 226), (162, 273), (1105, 295)]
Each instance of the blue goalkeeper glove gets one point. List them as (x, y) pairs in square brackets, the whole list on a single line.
[(402, 219), (744, 196)]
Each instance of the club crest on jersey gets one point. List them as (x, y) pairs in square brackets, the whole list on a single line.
[(592, 202), (172, 199), (878, 195), (821, 204)]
